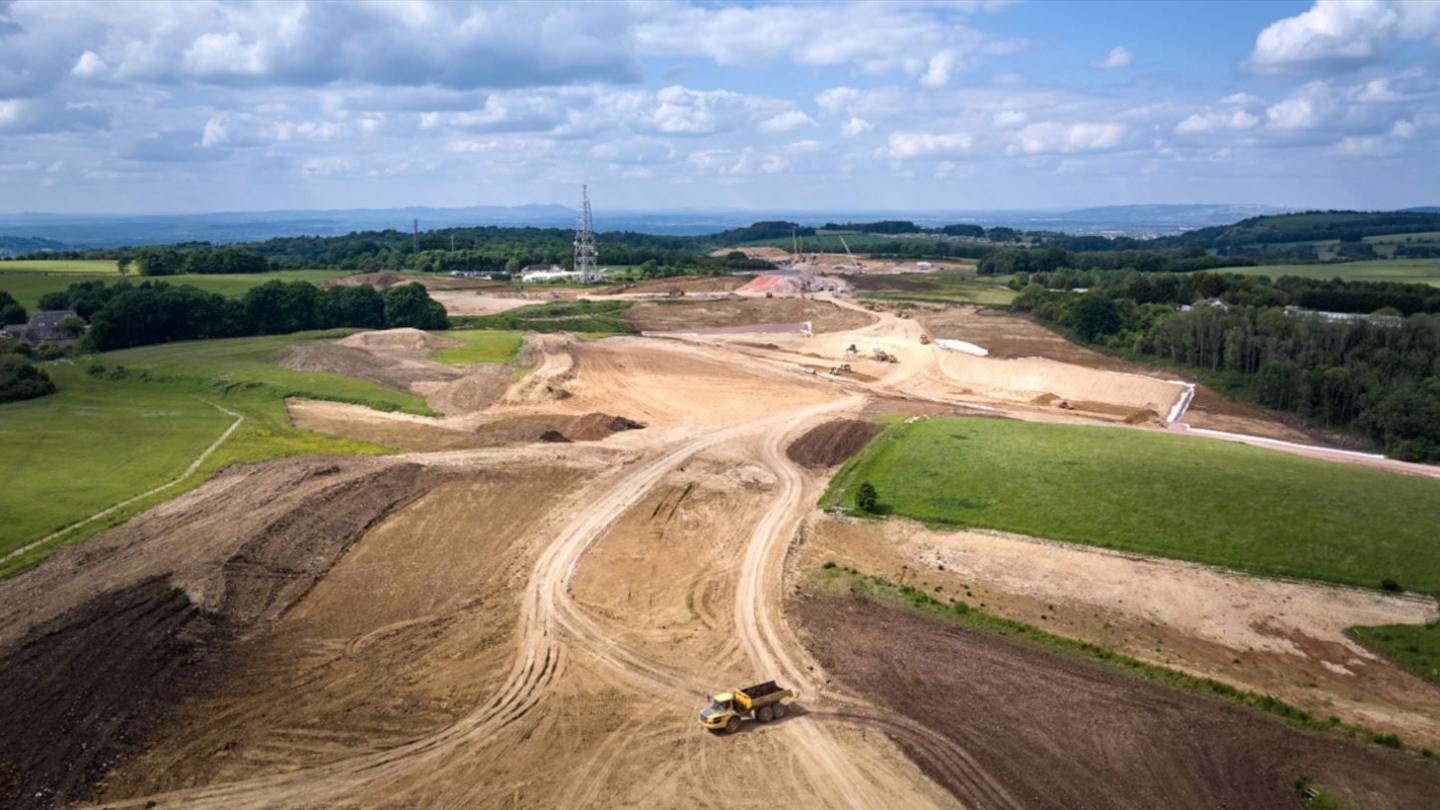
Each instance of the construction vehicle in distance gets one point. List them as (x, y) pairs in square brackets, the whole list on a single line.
[(759, 702), (884, 356), (924, 340)]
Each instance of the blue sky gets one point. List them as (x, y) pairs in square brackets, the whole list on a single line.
[(206, 105)]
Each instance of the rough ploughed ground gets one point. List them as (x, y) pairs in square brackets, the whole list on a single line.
[(832, 443), (1063, 733)]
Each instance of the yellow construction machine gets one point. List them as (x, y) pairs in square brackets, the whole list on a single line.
[(759, 702)]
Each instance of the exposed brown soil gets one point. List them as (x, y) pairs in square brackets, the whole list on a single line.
[(1062, 733), (832, 443), (669, 316), (686, 284), (594, 426), (380, 281), (880, 282), (101, 642), (357, 362), (1009, 336)]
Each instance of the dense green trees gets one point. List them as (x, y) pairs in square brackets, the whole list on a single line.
[(1377, 373), (20, 379), (171, 261), (155, 312), (10, 310)]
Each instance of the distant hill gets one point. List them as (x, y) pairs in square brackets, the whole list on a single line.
[(1309, 226), (14, 245)]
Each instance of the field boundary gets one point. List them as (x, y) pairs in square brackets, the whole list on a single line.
[(109, 510)]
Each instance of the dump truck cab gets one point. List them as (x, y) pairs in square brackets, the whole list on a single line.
[(728, 710)]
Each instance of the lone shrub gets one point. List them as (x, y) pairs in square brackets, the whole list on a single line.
[(865, 497), (1390, 585)]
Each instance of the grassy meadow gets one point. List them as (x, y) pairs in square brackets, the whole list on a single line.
[(93, 267), (481, 346), (1182, 497), (944, 287), (28, 285), (1415, 646), (1415, 271), (124, 422)]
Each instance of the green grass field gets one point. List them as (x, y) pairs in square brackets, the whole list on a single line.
[(138, 423), (1414, 646), (28, 286), (481, 346), (101, 267), (1172, 496), (945, 287), (1418, 271)]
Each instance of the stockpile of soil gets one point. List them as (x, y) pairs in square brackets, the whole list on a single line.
[(553, 436), (405, 338), (380, 281), (682, 315), (386, 369), (1058, 732), (103, 638), (595, 426), (831, 443)]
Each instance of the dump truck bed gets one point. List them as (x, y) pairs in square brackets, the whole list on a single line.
[(760, 690)]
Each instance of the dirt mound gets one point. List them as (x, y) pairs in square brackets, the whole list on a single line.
[(366, 364), (687, 315), (831, 443), (1060, 732), (554, 436), (103, 638), (594, 426), (380, 281), (405, 338)]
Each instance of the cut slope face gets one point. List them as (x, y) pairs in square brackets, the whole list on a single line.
[(831, 443), (103, 640), (1026, 379)]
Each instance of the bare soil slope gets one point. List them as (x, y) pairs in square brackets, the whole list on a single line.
[(669, 316), (831, 443), (1062, 733), (103, 639)]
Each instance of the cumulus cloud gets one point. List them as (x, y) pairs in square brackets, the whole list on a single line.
[(872, 37), (1050, 136), (1340, 33), (786, 121), (1118, 57), (856, 126), (908, 145), (1009, 119), (1234, 118), (23, 116), (88, 66)]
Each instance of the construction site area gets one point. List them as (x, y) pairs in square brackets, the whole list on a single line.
[(532, 600)]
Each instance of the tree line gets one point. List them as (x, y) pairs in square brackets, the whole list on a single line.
[(1379, 374), (125, 314)]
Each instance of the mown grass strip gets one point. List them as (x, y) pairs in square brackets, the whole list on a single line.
[(838, 580), (1166, 495)]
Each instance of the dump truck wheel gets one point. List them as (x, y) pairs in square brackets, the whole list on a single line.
[(779, 710), (732, 725), (765, 714)]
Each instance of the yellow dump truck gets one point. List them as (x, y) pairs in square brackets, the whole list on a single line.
[(761, 702)]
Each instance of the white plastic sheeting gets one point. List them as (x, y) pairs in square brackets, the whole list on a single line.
[(961, 346)]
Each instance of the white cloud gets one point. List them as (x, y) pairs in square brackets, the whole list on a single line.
[(326, 166), (871, 37), (88, 66), (1336, 33), (1118, 57), (907, 145), (1009, 119), (1049, 136), (1403, 129), (1233, 119), (786, 121), (856, 126), (1306, 108)]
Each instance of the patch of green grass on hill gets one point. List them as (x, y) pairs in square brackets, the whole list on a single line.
[(607, 317), (1182, 497), (1414, 271), (145, 415), (27, 287), (1414, 646), (99, 267), (481, 346), (944, 287)]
